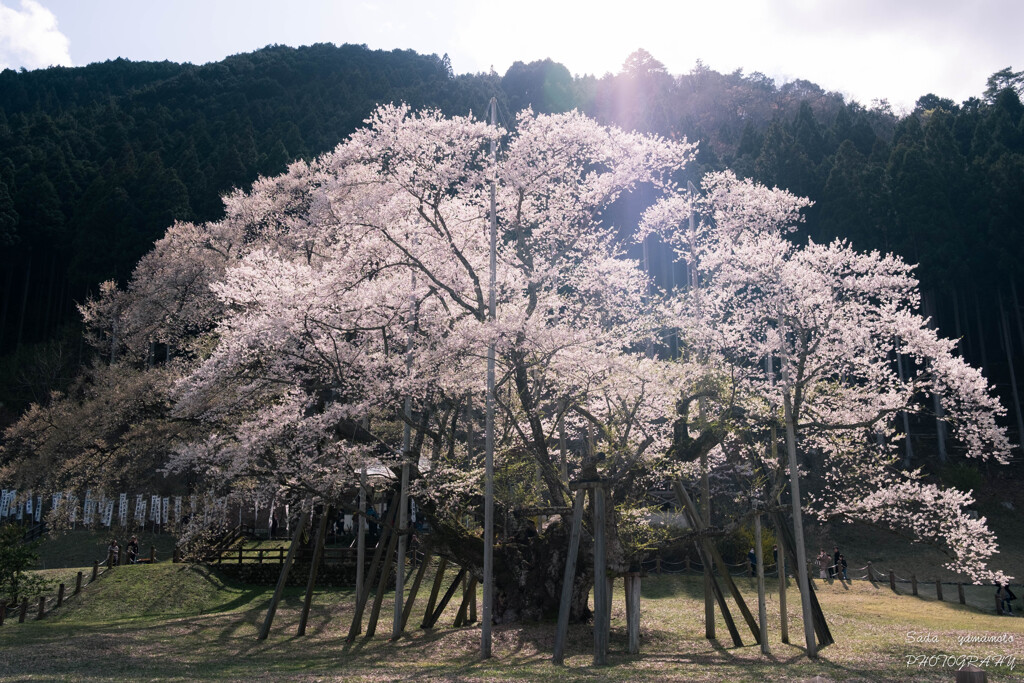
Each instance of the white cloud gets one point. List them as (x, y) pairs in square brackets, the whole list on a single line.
[(30, 38)]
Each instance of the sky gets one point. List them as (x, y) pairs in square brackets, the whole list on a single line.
[(868, 50)]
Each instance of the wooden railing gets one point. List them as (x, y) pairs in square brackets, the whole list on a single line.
[(241, 555)]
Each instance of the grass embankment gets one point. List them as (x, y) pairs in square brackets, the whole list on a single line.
[(184, 622)]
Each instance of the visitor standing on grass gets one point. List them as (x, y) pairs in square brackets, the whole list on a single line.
[(133, 550), (842, 566), (833, 571), (113, 551), (823, 564)]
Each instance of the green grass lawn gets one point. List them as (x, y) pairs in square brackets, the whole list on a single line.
[(185, 622)]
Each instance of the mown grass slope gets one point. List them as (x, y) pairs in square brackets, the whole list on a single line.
[(185, 622)]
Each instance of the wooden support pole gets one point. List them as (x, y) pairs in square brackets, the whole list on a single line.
[(602, 599), (568, 579), (723, 570), (938, 590), (407, 610), (632, 587), (821, 629), (783, 610), (78, 583), (762, 615), (357, 618), (468, 592), (730, 624), (286, 567), (385, 576), (314, 568), (472, 602), (442, 564), (960, 593), (361, 534), (447, 597), (152, 554), (60, 595), (95, 570)]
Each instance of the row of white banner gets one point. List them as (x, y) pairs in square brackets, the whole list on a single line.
[(98, 510)]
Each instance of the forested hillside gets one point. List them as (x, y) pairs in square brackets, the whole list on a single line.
[(96, 162)]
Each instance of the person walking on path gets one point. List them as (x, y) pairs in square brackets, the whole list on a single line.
[(1005, 596), (833, 571), (842, 567)]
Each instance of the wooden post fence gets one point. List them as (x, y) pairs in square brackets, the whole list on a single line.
[(24, 610), (78, 583), (60, 595), (95, 570), (42, 607), (960, 593), (913, 583), (938, 589)]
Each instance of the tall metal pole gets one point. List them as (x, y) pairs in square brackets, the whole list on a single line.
[(705, 483), (798, 522), (488, 596), (403, 499)]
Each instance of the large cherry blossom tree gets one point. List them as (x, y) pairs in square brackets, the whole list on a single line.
[(343, 303)]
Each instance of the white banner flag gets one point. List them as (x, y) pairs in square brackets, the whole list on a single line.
[(28, 504), (5, 502), (55, 503), (165, 507), (122, 509), (140, 510), (39, 508), (177, 509), (154, 508), (73, 509), (109, 514)]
